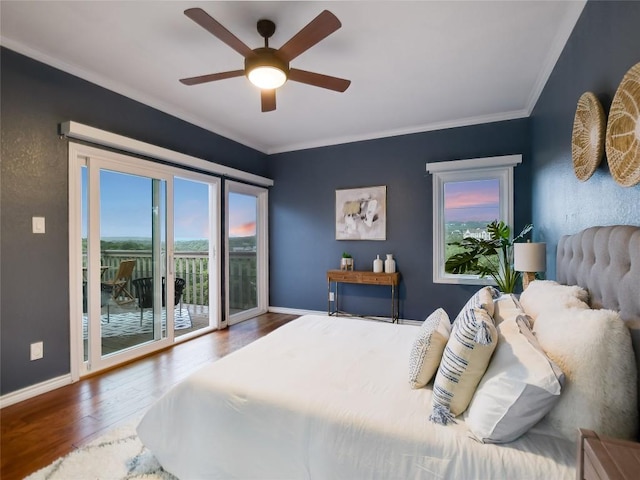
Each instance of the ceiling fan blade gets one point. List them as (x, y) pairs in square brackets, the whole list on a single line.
[(214, 27), (268, 98), (319, 80), (319, 28), (211, 77)]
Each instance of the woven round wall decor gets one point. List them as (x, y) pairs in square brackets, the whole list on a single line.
[(623, 130), (587, 139)]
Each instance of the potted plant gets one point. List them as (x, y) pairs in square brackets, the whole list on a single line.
[(346, 262), (492, 257)]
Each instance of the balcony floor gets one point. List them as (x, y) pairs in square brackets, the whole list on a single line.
[(199, 315)]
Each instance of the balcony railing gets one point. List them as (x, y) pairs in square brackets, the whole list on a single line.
[(194, 268)]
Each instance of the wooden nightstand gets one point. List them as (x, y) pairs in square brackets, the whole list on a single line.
[(601, 458)]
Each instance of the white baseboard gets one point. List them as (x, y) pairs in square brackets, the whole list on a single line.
[(417, 323), (295, 311), (34, 390)]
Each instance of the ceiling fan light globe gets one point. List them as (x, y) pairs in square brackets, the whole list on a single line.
[(267, 77)]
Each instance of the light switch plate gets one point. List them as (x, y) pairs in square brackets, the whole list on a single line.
[(37, 224)]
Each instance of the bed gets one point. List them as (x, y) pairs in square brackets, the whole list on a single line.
[(328, 398)]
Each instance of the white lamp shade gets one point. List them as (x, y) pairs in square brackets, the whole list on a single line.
[(529, 257)]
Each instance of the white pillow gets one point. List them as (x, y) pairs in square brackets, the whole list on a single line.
[(542, 295), (520, 386), (465, 359), (593, 348), (483, 298), (428, 347), (506, 306)]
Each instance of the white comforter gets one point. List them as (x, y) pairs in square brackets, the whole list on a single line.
[(328, 398)]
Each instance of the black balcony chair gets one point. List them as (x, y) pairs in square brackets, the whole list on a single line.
[(144, 292)]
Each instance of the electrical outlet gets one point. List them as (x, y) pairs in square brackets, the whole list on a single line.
[(331, 297), (37, 351)]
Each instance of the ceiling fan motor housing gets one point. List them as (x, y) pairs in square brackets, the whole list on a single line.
[(265, 57)]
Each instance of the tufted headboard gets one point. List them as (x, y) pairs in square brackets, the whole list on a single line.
[(606, 262)]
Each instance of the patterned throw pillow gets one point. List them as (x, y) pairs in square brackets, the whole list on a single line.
[(483, 298), (428, 347), (465, 359)]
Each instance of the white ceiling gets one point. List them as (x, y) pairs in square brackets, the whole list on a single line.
[(414, 66)]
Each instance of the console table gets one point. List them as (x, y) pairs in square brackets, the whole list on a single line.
[(363, 278)]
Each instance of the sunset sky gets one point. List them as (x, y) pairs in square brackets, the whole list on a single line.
[(126, 200), (242, 215), (472, 201)]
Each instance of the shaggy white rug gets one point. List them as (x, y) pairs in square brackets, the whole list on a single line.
[(118, 455)]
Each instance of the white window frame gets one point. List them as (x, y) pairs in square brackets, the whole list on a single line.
[(500, 168)]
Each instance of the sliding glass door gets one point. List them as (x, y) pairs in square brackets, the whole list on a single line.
[(133, 260), (144, 271), (247, 257), (196, 230), (124, 236)]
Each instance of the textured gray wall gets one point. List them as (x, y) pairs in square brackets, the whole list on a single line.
[(604, 44), (34, 291)]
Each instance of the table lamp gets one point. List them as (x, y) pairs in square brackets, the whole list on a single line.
[(529, 258)]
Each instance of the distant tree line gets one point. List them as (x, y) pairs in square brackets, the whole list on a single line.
[(200, 245)]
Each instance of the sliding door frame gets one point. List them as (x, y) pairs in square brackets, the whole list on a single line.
[(81, 155), (262, 250), (215, 232)]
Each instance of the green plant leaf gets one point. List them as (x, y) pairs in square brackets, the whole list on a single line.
[(489, 258)]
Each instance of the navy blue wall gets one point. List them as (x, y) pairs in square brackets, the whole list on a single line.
[(36, 98), (604, 44), (302, 218), (35, 293)]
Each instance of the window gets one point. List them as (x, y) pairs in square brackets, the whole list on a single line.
[(467, 195)]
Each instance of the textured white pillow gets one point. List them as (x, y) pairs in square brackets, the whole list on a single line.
[(428, 347), (520, 386), (543, 295), (465, 359), (506, 306), (593, 348)]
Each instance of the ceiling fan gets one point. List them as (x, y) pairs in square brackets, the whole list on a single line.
[(267, 67)]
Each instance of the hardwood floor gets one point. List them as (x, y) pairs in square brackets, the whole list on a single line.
[(37, 431)]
